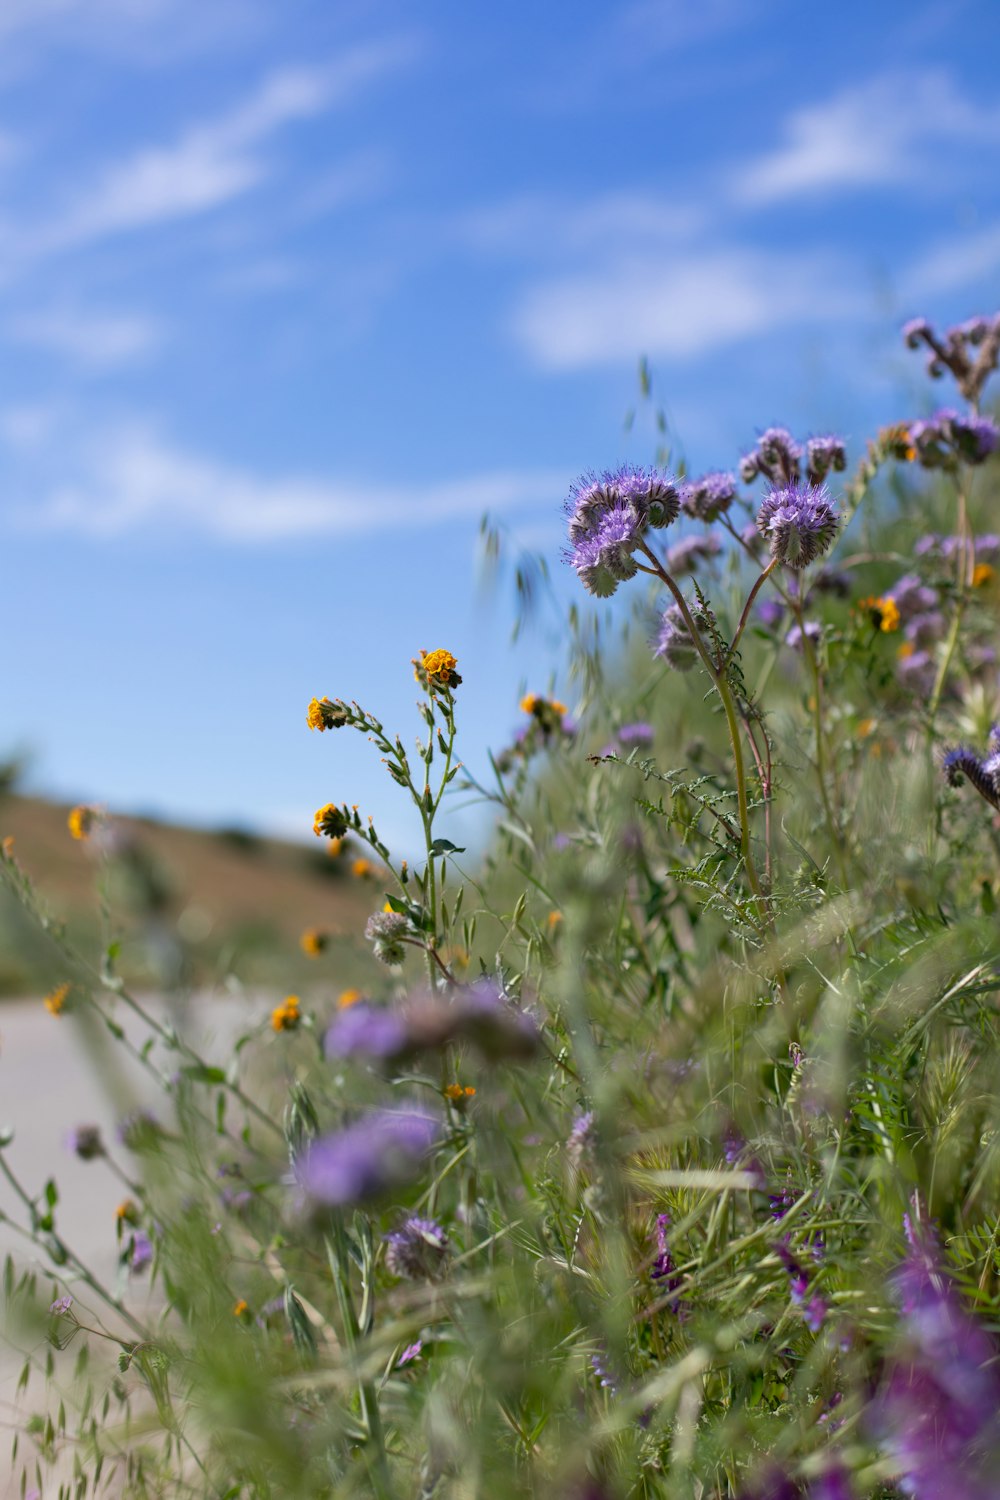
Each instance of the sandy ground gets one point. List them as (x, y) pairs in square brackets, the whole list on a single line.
[(55, 1074)]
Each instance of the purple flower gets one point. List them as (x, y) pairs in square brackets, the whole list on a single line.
[(938, 1410), (710, 496), (366, 1030), (635, 734), (915, 330), (86, 1142), (777, 456), (663, 1271), (924, 630), (911, 596), (418, 1250), (378, 1152), (140, 1252), (769, 612), (824, 454), (983, 774), (410, 1353), (812, 632), (674, 641), (60, 1307), (580, 1141), (608, 516), (600, 1364), (684, 556), (917, 672), (948, 437), (799, 523), (832, 1484)]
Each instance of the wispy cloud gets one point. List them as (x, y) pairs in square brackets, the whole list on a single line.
[(94, 340), (873, 134), (543, 226), (688, 306), (213, 163), (958, 262), (132, 479)]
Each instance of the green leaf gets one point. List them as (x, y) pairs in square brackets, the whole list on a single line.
[(445, 846)]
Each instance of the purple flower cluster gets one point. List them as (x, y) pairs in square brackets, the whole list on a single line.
[(778, 458), (418, 1250), (663, 1272), (984, 774), (476, 1014), (968, 350), (686, 554), (938, 1413), (798, 523), (814, 1310), (381, 1151), (949, 438), (609, 514), (580, 1141), (709, 497), (639, 735)]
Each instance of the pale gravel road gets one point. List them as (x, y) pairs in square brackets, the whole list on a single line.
[(55, 1073)]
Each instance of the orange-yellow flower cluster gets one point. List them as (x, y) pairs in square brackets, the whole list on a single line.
[(436, 669), (287, 1015), (882, 610), (458, 1093), (81, 821), (347, 998), (531, 703), (330, 820), (57, 999), (982, 574), (314, 941)]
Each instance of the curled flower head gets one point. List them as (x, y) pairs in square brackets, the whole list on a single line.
[(608, 517), (824, 454), (436, 669), (949, 438), (331, 821), (799, 524), (419, 1250), (969, 350), (984, 775), (81, 822), (324, 714), (385, 929), (85, 1141), (674, 642), (378, 1153), (710, 496), (684, 556), (287, 1015), (56, 999), (777, 457)]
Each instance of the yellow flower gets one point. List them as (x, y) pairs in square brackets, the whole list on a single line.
[(436, 669), (330, 820), (553, 919), (55, 1002), (8, 846), (336, 848), (314, 715), (240, 1309), (362, 868), (81, 821), (322, 714), (127, 1212), (348, 998), (286, 1016), (982, 574), (883, 611), (896, 441), (528, 703), (457, 1093), (313, 941)]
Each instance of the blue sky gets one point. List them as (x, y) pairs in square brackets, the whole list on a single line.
[(290, 293)]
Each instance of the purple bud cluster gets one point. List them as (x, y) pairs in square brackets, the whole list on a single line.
[(377, 1153), (609, 514), (709, 497), (674, 642), (778, 458), (948, 438), (798, 523), (969, 350), (983, 773), (419, 1250)]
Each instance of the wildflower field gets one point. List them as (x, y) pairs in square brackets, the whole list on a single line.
[(657, 1153)]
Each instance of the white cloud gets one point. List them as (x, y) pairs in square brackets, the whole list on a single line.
[(955, 263), (682, 308), (536, 225), (213, 163), (132, 479), (870, 135), (97, 341)]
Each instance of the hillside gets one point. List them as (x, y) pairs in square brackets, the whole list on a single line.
[(185, 903)]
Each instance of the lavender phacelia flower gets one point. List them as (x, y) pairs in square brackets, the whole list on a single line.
[(378, 1152), (608, 517), (917, 672), (86, 1142), (770, 612), (984, 775), (674, 642), (367, 1031), (823, 455), (385, 930), (638, 734), (911, 596), (709, 497), (419, 1250), (924, 630), (777, 457), (685, 555), (580, 1141), (799, 523), (601, 1366), (410, 1353), (969, 350), (948, 437), (813, 632), (139, 1252)]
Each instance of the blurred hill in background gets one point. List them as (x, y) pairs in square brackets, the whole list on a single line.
[(187, 906)]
